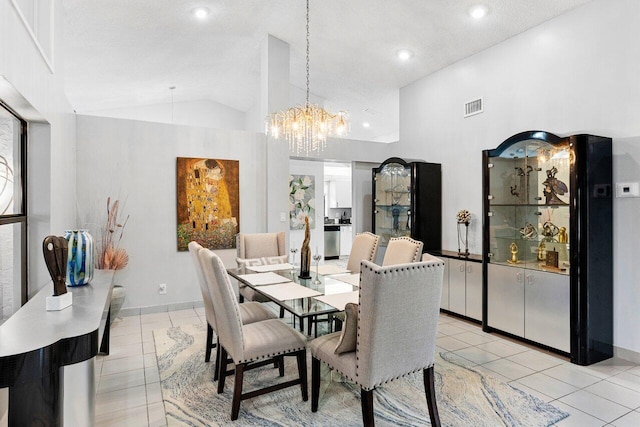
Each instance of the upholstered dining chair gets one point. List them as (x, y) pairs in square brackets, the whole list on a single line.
[(377, 345), (259, 249), (250, 312), (365, 246), (249, 345), (401, 250)]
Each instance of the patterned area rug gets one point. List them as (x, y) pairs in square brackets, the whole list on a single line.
[(465, 397)]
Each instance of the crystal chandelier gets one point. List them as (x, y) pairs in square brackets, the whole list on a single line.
[(307, 126)]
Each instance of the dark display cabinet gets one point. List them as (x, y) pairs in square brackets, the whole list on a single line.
[(407, 201), (547, 242)]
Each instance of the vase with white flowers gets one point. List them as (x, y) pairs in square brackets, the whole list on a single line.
[(463, 218), (110, 255)]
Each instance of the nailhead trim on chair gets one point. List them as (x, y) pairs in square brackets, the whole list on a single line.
[(269, 356), (416, 255)]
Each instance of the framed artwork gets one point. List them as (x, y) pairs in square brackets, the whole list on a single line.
[(208, 202), (302, 201)]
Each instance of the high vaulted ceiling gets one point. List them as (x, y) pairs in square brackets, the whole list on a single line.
[(126, 53)]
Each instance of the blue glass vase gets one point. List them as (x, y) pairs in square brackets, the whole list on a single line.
[(80, 257)]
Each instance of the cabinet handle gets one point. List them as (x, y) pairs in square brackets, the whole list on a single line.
[(529, 279), (519, 277), (468, 269), (461, 267)]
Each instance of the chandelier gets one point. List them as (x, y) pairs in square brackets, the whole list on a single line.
[(307, 126)]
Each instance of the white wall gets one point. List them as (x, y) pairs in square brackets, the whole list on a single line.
[(136, 161), (51, 151), (577, 73), (202, 113)]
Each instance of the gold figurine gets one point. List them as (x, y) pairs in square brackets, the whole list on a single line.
[(514, 254), (542, 252), (563, 237)]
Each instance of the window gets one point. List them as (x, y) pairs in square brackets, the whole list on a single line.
[(13, 218)]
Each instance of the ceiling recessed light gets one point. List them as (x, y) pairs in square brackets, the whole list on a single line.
[(366, 124), (201, 12), (404, 54), (478, 11)]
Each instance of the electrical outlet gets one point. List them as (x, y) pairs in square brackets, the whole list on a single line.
[(162, 288)]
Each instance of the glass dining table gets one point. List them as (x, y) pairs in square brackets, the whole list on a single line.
[(305, 308)]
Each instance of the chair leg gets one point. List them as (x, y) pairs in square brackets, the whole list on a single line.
[(207, 350), (280, 360), (237, 391), (430, 391), (241, 299), (281, 312), (366, 398), (302, 372), (222, 369), (217, 367), (315, 383)]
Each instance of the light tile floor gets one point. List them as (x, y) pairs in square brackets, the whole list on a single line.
[(605, 394)]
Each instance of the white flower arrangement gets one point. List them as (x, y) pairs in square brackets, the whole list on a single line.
[(463, 216)]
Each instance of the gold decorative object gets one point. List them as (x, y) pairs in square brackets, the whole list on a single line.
[(513, 248), (542, 252), (307, 126), (563, 237), (305, 253)]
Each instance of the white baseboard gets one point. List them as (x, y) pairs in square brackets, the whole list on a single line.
[(623, 353)]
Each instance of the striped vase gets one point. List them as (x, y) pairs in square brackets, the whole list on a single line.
[(80, 257)]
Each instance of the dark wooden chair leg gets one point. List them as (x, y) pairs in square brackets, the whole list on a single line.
[(207, 352), (237, 391), (310, 321), (280, 360), (216, 369), (222, 369), (366, 398), (315, 383), (302, 371), (241, 299), (281, 312), (430, 391)]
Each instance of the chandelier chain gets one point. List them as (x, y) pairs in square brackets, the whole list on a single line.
[(307, 52)]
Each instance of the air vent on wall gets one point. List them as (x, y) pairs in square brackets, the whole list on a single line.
[(474, 107)]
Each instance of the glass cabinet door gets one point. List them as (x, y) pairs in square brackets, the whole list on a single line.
[(528, 205), (392, 201)]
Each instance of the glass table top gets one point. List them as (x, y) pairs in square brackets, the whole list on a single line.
[(302, 307)]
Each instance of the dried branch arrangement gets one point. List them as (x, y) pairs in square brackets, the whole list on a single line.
[(110, 255)]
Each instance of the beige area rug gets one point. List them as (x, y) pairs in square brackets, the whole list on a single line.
[(465, 397)]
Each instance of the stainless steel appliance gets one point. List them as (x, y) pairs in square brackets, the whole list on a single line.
[(331, 241)]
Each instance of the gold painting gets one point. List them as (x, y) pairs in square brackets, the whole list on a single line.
[(208, 193)]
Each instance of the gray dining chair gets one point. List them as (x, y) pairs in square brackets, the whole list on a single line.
[(365, 246), (254, 249), (250, 312), (393, 335), (250, 345), (401, 250)]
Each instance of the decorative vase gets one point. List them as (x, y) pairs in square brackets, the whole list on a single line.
[(465, 242), (305, 253), (79, 257), (118, 296)]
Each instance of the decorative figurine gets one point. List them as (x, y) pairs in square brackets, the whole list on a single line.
[(542, 252), (563, 237), (305, 253), (513, 248), (529, 231), (395, 214), (463, 217), (553, 188), (55, 257), (549, 231)]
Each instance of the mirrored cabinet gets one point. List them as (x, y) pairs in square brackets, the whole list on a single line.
[(407, 201), (547, 242)]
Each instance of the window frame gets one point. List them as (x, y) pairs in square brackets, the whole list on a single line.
[(21, 218)]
